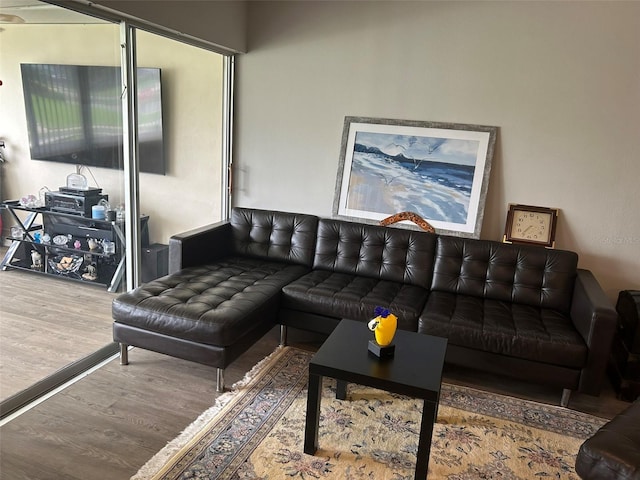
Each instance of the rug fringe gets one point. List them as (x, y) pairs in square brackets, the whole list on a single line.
[(155, 463)]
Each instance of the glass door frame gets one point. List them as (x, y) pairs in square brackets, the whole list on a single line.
[(130, 159), (128, 26), (130, 142), (41, 389)]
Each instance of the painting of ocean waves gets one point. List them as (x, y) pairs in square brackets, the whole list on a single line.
[(432, 177)]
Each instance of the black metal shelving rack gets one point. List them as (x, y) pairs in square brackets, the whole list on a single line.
[(109, 266)]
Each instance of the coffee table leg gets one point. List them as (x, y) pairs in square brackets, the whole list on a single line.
[(314, 395), (341, 390), (429, 411)]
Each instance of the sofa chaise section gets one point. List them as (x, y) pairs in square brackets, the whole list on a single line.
[(224, 290)]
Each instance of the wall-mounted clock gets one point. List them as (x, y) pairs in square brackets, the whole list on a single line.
[(531, 225)]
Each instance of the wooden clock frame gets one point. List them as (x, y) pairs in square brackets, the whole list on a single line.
[(553, 212)]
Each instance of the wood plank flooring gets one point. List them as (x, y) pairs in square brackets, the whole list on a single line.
[(45, 324), (108, 424)]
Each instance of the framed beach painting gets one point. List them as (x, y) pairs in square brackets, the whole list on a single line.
[(440, 171)]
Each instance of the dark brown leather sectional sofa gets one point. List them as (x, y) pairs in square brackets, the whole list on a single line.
[(522, 311)]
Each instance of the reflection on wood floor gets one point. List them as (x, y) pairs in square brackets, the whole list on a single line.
[(45, 324)]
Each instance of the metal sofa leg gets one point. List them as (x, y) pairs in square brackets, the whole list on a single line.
[(283, 335), (564, 401), (124, 354), (219, 380)]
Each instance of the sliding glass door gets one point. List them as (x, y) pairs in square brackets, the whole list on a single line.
[(180, 152), (59, 120), (178, 180)]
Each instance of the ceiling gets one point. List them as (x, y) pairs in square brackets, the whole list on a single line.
[(35, 12)]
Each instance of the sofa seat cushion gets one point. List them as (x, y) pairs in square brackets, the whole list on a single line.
[(212, 304), (342, 295), (515, 330)]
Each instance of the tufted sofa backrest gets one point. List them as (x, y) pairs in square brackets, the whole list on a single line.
[(373, 251), (533, 276), (289, 237)]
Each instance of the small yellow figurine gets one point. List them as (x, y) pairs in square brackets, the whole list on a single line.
[(383, 326)]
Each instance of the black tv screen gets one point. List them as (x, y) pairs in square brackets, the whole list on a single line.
[(74, 115)]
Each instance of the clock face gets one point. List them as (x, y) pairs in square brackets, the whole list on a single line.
[(531, 226)]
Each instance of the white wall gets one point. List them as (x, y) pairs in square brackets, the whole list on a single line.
[(560, 79), (186, 197)]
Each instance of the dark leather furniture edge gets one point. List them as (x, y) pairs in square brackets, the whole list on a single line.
[(595, 318), (613, 452), (307, 321), (212, 355), (521, 369), (193, 247)]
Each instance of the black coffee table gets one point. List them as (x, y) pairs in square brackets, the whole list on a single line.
[(414, 371)]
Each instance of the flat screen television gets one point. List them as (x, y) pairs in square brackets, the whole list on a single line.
[(74, 115)]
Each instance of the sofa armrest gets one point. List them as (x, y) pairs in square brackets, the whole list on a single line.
[(200, 246), (595, 318)]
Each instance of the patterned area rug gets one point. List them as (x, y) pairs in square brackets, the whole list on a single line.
[(257, 432)]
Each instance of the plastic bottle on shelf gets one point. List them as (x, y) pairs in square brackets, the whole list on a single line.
[(120, 213)]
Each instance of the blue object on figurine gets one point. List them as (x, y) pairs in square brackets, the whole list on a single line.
[(37, 238), (381, 312)]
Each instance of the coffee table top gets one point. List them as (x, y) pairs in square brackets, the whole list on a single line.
[(415, 369)]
